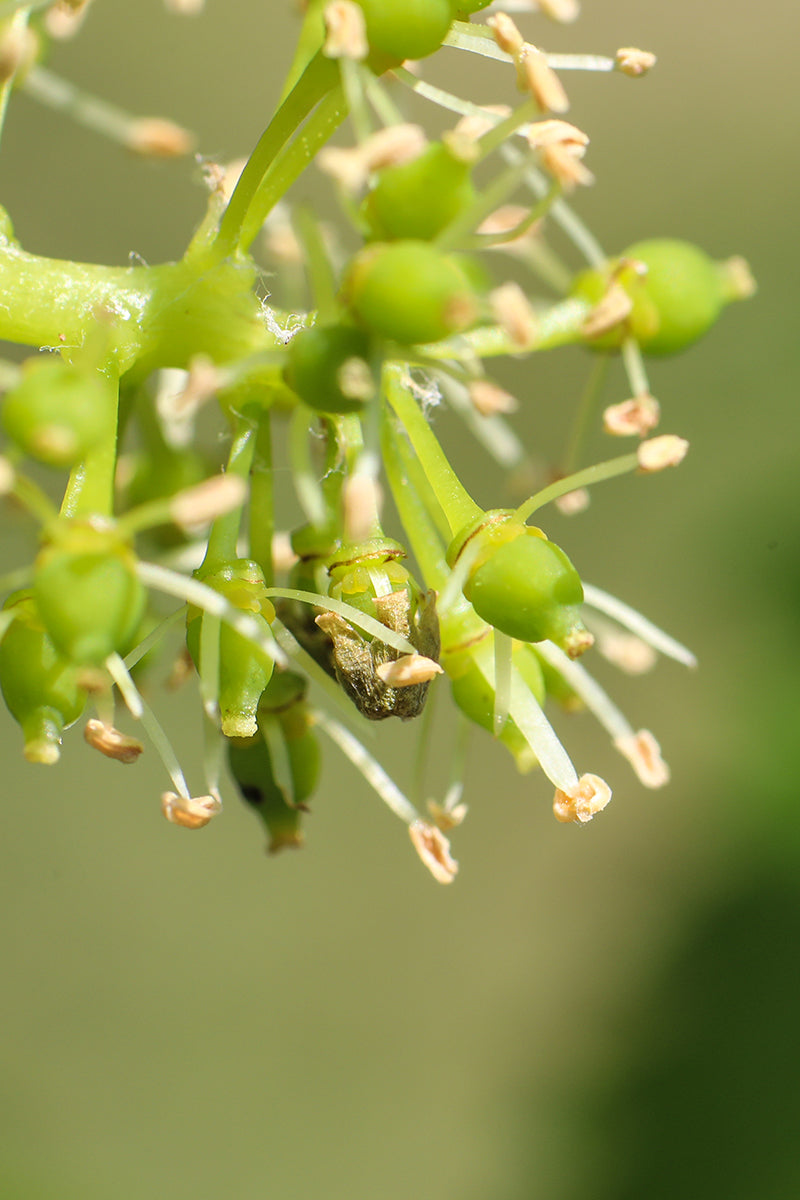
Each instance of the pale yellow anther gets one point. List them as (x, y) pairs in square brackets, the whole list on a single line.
[(191, 812), (18, 48), (408, 670), (225, 176), (346, 31), (356, 379), (362, 500), (64, 18), (280, 240), (506, 34), (644, 754), (434, 850), (202, 382), (112, 742), (185, 8), (512, 311), (283, 556), (7, 476), (554, 132), (626, 651), (572, 503), (659, 452), (156, 137), (475, 125), (197, 506), (589, 796), (489, 399), (631, 61), (613, 308), (563, 162), (563, 11), (536, 76), (447, 818), (738, 280), (351, 167), (637, 416), (505, 219)]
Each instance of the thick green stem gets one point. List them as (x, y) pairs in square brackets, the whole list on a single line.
[(458, 506), (155, 316), (90, 490)]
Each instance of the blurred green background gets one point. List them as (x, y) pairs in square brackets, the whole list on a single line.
[(597, 1014)]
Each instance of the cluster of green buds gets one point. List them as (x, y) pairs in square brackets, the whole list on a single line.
[(155, 548)]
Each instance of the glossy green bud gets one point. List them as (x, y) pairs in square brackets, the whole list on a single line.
[(410, 291), (407, 28), (419, 198), (244, 669), (676, 299), (328, 368), (57, 413), (39, 685), (521, 583), (87, 592)]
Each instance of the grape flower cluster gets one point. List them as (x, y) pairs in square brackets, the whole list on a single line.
[(331, 365)]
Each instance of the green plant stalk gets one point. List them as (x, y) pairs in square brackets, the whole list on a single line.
[(249, 204), (157, 316), (414, 516), (221, 548), (457, 505)]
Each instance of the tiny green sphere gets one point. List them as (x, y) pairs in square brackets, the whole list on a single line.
[(527, 588), (410, 291), (686, 288), (328, 368), (57, 413), (91, 603), (407, 28), (419, 199)]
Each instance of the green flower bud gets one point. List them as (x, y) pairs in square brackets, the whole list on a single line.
[(410, 291), (328, 367), (87, 592), (521, 583), (674, 302), (244, 669), (370, 578), (418, 199), (58, 413), (39, 685), (407, 29)]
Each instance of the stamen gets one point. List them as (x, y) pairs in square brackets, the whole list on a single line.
[(369, 767), (434, 850), (644, 754), (112, 742), (637, 416), (638, 624), (660, 452), (408, 670), (346, 31), (631, 61), (190, 812), (589, 796)]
